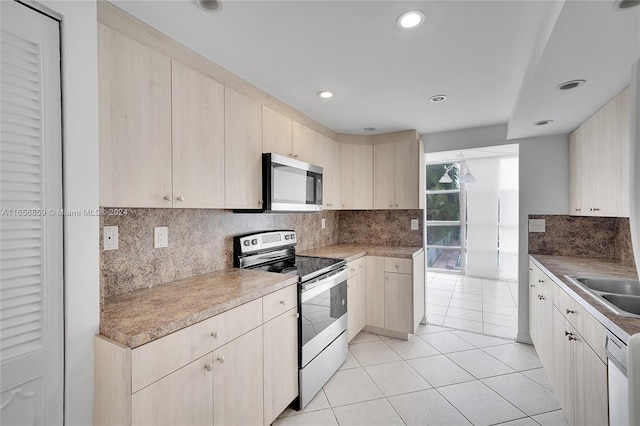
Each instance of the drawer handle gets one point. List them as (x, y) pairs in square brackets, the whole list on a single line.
[(283, 302), (540, 281), (531, 269), (221, 359), (208, 367), (540, 297), (167, 198), (569, 311), (569, 336), (532, 285), (215, 334), (180, 198)]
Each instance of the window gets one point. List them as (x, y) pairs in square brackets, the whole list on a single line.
[(443, 225)]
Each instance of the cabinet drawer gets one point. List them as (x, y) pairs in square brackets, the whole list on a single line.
[(156, 359), (279, 302), (355, 267), (401, 266)]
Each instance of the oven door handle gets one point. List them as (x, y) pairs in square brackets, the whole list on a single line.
[(318, 287)]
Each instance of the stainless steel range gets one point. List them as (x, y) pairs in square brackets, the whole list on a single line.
[(322, 303)]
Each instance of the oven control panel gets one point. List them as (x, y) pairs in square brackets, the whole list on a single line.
[(266, 241)]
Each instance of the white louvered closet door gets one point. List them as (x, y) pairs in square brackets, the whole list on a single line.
[(31, 285)]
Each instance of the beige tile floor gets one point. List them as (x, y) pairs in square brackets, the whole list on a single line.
[(438, 377), (473, 304)]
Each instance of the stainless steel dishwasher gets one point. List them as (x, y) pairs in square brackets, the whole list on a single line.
[(616, 351)]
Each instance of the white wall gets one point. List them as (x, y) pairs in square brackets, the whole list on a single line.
[(80, 186), (544, 186)]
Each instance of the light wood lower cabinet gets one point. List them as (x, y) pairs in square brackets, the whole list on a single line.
[(228, 369), (393, 295), (356, 297), (280, 363), (570, 343), (184, 397)]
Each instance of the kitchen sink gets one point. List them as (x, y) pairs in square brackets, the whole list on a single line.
[(620, 295)]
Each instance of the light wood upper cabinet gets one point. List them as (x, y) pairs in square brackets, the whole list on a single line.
[(356, 176), (305, 143), (398, 175), (197, 105), (329, 160), (135, 123), (599, 162), (384, 176), (277, 132), (243, 151)]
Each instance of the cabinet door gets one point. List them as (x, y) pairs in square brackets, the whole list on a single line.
[(623, 116), (419, 287), (352, 307), (563, 361), (197, 117), (243, 152), (305, 143), (277, 132), (398, 302), (591, 397), (374, 291), (184, 397), (588, 171), (545, 323), (608, 156), (356, 176), (280, 363), (238, 381), (135, 123), (533, 298), (384, 176), (575, 172), (329, 160), (407, 169)]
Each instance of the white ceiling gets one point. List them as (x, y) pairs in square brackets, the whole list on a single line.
[(497, 61)]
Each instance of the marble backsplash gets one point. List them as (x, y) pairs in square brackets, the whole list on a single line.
[(201, 241), (381, 227), (580, 236)]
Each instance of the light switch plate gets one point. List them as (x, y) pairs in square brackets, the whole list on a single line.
[(414, 224), (323, 223), (160, 237), (536, 225), (110, 238)]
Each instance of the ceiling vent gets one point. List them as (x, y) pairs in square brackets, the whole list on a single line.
[(625, 4)]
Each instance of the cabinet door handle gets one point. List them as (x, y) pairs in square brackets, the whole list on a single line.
[(208, 367), (167, 198), (540, 297), (391, 205), (215, 334), (569, 311), (295, 155), (283, 302), (532, 285), (540, 281), (221, 359), (597, 209), (569, 335), (180, 198), (396, 204), (578, 210), (531, 269)]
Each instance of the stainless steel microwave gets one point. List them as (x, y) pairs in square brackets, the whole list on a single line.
[(290, 185)]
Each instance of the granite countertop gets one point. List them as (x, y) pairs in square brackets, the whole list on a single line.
[(140, 316), (559, 266), (351, 252)]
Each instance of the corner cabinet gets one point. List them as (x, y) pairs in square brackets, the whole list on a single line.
[(238, 367), (599, 162), (398, 175), (570, 344), (394, 295), (356, 176)]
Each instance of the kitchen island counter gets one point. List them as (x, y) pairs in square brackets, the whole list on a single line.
[(138, 317)]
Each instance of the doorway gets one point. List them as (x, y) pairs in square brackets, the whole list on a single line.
[(31, 284), (472, 239)]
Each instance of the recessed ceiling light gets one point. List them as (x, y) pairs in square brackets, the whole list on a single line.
[(411, 19), (209, 5), (625, 4), (572, 84), (438, 98), (543, 122), (325, 94), (369, 129)]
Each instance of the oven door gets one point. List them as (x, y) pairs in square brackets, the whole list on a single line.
[(291, 185), (323, 314)]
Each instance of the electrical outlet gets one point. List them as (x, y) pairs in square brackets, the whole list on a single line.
[(536, 225), (160, 236), (323, 223), (414, 224), (110, 238)]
